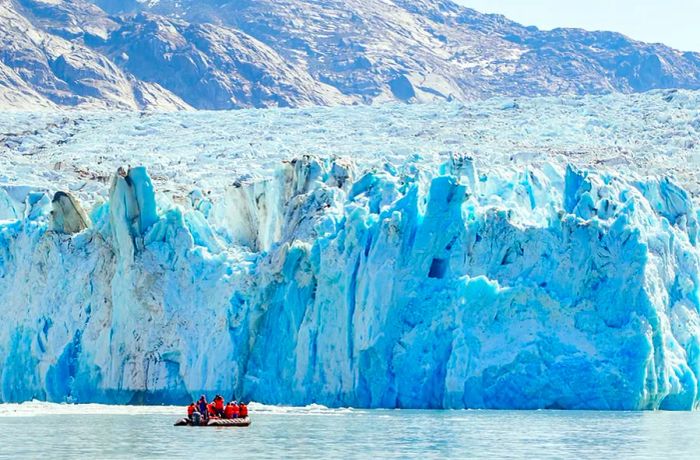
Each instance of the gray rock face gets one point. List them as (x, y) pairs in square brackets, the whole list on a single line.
[(47, 48), (218, 54)]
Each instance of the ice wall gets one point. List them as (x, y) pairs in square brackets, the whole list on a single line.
[(541, 287)]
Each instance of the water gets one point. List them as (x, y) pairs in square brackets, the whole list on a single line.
[(112, 432)]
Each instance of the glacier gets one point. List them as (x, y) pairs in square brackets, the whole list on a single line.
[(331, 281), (509, 253)]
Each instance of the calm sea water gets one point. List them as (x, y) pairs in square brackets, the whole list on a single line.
[(38, 430)]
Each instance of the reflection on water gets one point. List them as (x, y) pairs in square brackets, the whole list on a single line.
[(54, 431)]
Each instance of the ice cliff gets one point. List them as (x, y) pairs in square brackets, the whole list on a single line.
[(534, 287)]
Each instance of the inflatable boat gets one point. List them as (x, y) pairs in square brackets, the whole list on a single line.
[(215, 422)]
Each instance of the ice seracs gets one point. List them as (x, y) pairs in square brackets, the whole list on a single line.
[(333, 283), (67, 214)]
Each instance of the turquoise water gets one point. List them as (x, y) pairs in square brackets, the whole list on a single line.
[(107, 432)]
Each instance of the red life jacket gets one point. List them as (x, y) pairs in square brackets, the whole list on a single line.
[(211, 409), (190, 409), (219, 404), (228, 412), (243, 410), (234, 409)]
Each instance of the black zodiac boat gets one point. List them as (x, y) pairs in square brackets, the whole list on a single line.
[(240, 422)]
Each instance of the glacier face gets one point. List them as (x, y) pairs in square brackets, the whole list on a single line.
[(542, 286)]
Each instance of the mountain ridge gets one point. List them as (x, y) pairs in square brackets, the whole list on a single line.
[(212, 54)]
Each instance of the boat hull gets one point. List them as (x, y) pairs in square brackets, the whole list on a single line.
[(235, 422)]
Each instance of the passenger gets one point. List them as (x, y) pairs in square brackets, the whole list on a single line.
[(202, 406), (242, 410), (191, 409), (196, 418), (211, 410), (228, 412), (219, 405), (234, 409)]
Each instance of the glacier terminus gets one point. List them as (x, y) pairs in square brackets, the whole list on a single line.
[(348, 282)]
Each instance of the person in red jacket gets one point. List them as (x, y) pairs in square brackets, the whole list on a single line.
[(211, 410), (190, 410), (234, 408), (231, 411), (242, 410), (219, 405), (193, 414)]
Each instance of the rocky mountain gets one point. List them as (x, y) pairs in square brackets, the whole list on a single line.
[(223, 54)]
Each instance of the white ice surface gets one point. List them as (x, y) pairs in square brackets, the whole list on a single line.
[(655, 133)]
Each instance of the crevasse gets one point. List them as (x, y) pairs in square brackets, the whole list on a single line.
[(327, 283)]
